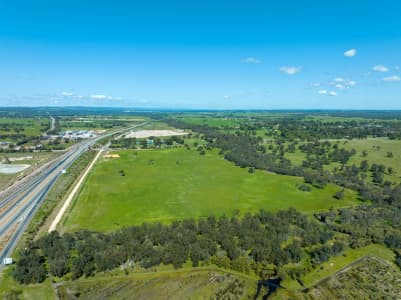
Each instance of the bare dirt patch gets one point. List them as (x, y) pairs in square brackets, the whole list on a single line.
[(20, 158), (149, 133), (114, 155), (12, 168)]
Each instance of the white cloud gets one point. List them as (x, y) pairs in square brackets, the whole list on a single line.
[(341, 83), (226, 97), (392, 78), (67, 94), (100, 97), (251, 60), (327, 93), (291, 70), (350, 53), (315, 84), (380, 68)]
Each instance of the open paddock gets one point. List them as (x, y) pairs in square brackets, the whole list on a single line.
[(171, 184)]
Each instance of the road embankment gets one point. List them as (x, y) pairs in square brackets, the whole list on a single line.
[(74, 191)]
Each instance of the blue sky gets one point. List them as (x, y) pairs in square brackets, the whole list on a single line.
[(201, 54)]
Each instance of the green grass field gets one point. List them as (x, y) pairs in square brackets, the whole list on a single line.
[(376, 149), (164, 185), (30, 127)]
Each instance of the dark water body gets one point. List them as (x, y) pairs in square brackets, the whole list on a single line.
[(271, 284)]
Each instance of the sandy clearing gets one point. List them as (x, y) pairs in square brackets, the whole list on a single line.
[(149, 133), (111, 156), (20, 158), (12, 168)]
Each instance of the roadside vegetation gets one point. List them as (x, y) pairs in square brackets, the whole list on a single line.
[(58, 192), (9, 289), (33, 161)]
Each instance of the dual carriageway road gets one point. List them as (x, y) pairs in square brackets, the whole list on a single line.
[(19, 204)]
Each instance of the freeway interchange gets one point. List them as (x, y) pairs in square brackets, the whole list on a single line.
[(19, 204)]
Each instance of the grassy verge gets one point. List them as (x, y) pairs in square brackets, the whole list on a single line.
[(9, 288), (58, 192)]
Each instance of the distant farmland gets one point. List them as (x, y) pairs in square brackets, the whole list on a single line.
[(165, 185)]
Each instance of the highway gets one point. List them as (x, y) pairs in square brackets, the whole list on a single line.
[(52, 123), (18, 206)]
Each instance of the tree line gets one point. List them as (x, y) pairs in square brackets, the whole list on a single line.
[(253, 243)]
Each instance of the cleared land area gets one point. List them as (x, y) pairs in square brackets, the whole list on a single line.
[(369, 278), (328, 270), (12, 169), (182, 284), (149, 133), (33, 160), (165, 185)]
